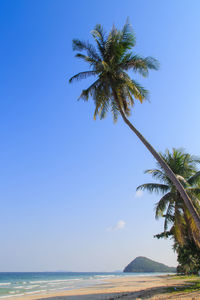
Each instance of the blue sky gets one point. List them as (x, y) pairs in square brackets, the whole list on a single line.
[(68, 183)]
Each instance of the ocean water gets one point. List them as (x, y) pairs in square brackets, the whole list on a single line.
[(30, 283)]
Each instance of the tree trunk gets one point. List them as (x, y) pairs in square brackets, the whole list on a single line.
[(164, 165)]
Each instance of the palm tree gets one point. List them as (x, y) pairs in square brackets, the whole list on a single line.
[(114, 89), (171, 205)]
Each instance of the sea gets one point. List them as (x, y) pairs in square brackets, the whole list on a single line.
[(14, 284)]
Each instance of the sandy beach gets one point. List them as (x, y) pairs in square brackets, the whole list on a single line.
[(151, 287)]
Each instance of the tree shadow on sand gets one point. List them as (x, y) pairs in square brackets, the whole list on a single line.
[(163, 292)]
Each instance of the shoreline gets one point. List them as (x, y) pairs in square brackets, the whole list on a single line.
[(151, 287)]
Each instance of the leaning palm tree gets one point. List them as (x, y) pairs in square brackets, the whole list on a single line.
[(113, 88), (178, 221)]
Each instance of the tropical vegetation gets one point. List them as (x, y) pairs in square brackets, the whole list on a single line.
[(188, 257), (178, 222), (113, 88)]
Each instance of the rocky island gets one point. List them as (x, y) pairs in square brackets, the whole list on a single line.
[(143, 264)]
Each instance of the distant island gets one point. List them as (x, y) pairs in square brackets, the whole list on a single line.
[(143, 264)]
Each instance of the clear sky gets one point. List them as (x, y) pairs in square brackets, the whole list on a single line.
[(68, 183)]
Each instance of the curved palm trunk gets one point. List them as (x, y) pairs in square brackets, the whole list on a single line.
[(167, 169)]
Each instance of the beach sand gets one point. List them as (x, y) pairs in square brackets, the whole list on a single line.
[(151, 287)]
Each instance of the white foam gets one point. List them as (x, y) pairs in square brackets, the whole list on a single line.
[(36, 292), (41, 281), (30, 287), (2, 297), (56, 281)]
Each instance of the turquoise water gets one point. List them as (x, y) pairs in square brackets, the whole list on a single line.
[(19, 284)]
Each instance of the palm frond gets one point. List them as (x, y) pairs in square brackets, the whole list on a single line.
[(180, 162), (129, 88), (192, 226), (138, 91), (98, 33), (128, 96), (87, 59), (152, 63), (101, 98), (157, 174), (127, 37), (79, 45), (82, 75), (100, 38), (164, 234), (122, 95), (195, 178), (194, 190), (89, 91), (104, 109), (179, 229), (169, 216), (162, 205), (153, 187), (139, 64), (115, 111)]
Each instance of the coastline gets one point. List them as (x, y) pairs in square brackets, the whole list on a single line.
[(141, 287)]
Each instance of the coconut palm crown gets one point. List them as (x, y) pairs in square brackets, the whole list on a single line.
[(178, 220), (109, 62)]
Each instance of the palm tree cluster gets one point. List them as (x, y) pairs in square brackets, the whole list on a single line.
[(113, 89), (178, 222)]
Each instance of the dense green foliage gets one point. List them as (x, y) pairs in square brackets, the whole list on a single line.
[(178, 223), (188, 257), (143, 264)]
